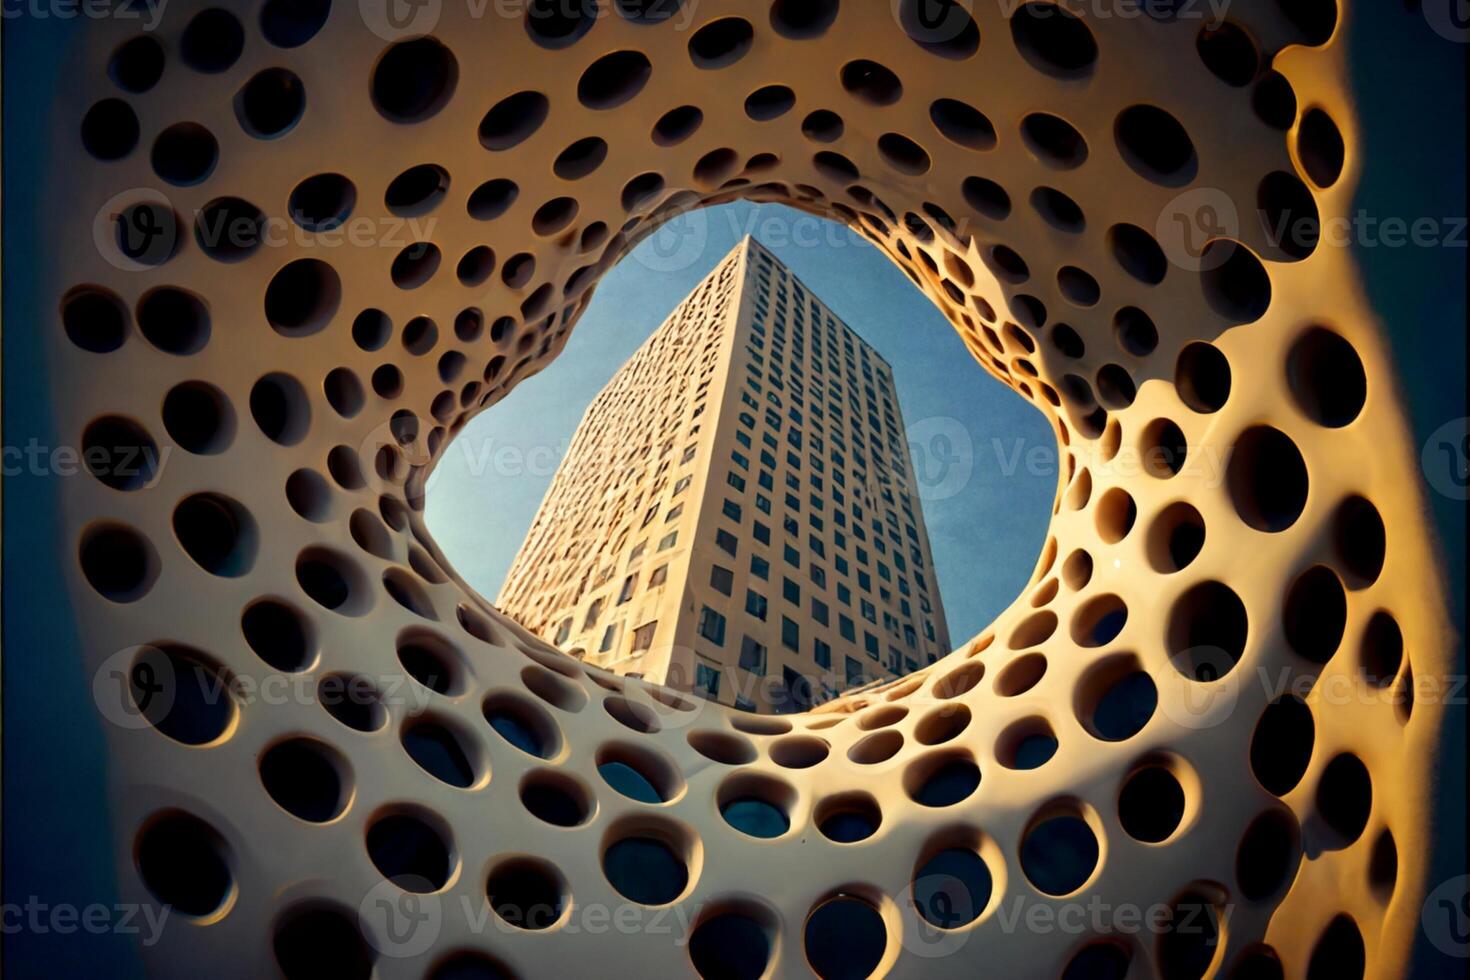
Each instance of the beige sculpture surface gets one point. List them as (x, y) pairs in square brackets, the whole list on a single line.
[(415, 208)]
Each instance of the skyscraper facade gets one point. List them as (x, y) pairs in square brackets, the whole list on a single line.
[(737, 515)]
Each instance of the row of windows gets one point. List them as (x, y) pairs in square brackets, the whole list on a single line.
[(888, 468), (626, 442), (908, 568), (888, 471), (827, 454), (753, 660), (757, 607), (817, 500), (892, 557)]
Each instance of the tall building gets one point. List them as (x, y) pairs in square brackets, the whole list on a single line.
[(736, 515)]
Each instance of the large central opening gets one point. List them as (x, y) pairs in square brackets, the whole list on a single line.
[(873, 493)]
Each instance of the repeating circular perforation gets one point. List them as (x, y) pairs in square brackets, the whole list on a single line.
[(309, 415)]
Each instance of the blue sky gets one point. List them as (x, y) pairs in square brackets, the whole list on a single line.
[(984, 458)]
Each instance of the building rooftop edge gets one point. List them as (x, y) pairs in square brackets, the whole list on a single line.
[(744, 245)]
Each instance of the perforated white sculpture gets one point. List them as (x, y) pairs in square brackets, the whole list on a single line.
[(300, 244)]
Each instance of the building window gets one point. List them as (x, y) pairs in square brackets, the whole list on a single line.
[(735, 480), (790, 591), (643, 636), (870, 643), (722, 580), (762, 533), (712, 626), (629, 584), (667, 541), (609, 636), (732, 510), (797, 691), (563, 631), (726, 542), (659, 576), (790, 634), (752, 656), (593, 612), (673, 513), (854, 672), (759, 567), (822, 651), (819, 611), (755, 604), (706, 681), (847, 628)]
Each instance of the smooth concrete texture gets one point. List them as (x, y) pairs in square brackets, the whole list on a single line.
[(1315, 556)]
